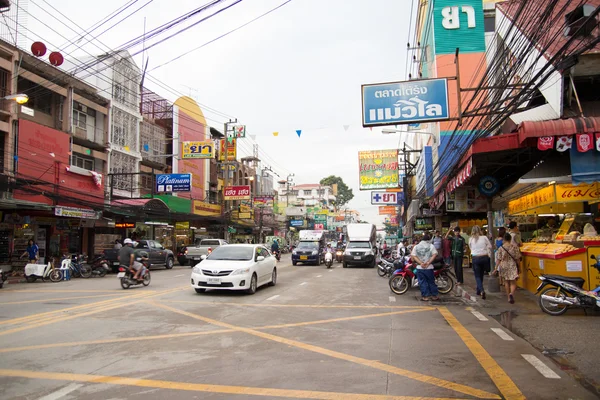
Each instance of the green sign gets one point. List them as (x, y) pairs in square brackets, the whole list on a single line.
[(321, 217), (231, 229), (458, 24)]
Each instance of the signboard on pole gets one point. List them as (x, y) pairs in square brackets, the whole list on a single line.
[(264, 201), (236, 192), (378, 169), (166, 183), (239, 131), (204, 149), (408, 102), (388, 210), (231, 150), (381, 198)]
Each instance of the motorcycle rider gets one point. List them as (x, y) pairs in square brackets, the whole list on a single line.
[(127, 258), (275, 246)]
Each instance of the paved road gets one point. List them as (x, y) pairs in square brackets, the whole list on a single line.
[(318, 334)]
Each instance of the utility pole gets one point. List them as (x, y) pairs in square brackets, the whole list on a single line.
[(225, 206)]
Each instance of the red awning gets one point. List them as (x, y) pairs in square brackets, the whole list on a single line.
[(155, 204), (558, 127)]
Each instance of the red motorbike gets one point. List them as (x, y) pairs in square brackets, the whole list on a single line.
[(405, 277)]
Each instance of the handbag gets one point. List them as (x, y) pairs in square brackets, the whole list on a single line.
[(511, 256)]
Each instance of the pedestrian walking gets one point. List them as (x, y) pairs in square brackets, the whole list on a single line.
[(508, 266), (447, 248), (515, 233), (423, 254), (458, 253), (497, 244), (481, 249)]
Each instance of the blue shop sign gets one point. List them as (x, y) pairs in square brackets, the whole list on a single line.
[(166, 183), (296, 222), (405, 102)]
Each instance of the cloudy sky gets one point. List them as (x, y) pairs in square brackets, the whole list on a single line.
[(298, 68)]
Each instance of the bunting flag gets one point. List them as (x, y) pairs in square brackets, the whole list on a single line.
[(545, 143), (275, 133), (52, 154), (585, 142), (346, 127), (126, 148), (299, 132), (598, 141), (564, 143)]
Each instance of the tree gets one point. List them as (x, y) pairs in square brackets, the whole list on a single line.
[(344, 193)]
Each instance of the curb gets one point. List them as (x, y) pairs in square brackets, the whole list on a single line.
[(461, 292)]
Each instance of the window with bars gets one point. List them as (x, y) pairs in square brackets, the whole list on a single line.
[(153, 142), (121, 163), (124, 129), (126, 82), (146, 182)]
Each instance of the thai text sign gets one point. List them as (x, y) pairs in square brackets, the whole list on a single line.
[(205, 149), (76, 213), (263, 201), (383, 198), (231, 149), (236, 192), (581, 192), (541, 197), (387, 210), (173, 183), (407, 102), (378, 169), (206, 209)]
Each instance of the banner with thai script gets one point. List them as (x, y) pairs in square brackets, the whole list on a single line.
[(407, 102), (166, 183), (231, 149), (236, 192), (388, 210), (576, 193), (264, 201), (378, 169), (203, 149), (206, 209)]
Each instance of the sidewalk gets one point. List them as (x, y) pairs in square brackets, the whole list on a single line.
[(570, 340)]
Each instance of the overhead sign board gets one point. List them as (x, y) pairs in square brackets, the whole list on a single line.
[(236, 192), (297, 222), (378, 169), (382, 198), (264, 201), (407, 102), (204, 149), (231, 146), (74, 212), (166, 183)]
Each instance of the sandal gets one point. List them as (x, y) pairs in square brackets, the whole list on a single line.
[(511, 299)]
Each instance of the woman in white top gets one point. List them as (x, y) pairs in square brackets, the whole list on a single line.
[(480, 253)]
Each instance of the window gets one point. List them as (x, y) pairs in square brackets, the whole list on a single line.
[(79, 119), (126, 81), (489, 23), (81, 161), (125, 167), (124, 129), (300, 193)]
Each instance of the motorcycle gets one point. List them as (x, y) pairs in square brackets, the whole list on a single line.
[(385, 268), (566, 292), (43, 272), (277, 254), (99, 266), (339, 256), (328, 259), (404, 278), (3, 278), (126, 276)]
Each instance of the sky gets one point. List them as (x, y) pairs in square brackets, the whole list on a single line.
[(298, 68)]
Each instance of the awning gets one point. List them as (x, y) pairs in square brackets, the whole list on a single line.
[(558, 127), (144, 204)]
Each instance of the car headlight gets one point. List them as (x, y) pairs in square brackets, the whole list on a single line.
[(315, 252), (196, 270), (241, 271), (294, 252), (369, 253), (347, 253)]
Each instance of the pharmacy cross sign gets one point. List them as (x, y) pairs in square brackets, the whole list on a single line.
[(383, 198)]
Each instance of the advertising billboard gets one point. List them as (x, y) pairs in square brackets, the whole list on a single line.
[(231, 150), (382, 198), (397, 103), (203, 149), (236, 192), (264, 201), (169, 183), (378, 169)]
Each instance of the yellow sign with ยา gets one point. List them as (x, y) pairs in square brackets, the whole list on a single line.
[(205, 149), (378, 169)]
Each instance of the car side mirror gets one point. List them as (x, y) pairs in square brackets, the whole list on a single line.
[(203, 257), (260, 258)]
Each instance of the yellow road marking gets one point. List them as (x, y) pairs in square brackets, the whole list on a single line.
[(58, 299), (64, 290), (188, 334), (288, 305), (358, 360), (200, 387), (506, 386), (47, 320)]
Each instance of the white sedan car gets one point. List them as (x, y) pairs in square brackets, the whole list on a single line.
[(235, 267)]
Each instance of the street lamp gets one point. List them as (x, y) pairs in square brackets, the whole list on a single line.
[(388, 131), (20, 98)]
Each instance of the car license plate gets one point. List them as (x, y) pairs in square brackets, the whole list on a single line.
[(116, 263), (196, 258), (121, 275), (357, 257), (304, 257), (213, 281)]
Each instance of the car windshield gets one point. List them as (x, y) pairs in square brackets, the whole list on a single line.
[(232, 253), (308, 245), (359, 245)]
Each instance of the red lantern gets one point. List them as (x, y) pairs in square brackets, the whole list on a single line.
[(56, 58), (38, 49)]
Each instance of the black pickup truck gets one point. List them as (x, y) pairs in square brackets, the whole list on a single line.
[(158, 254)]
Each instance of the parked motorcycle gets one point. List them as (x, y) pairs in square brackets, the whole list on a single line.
[(45, 272), (126, 277), (328, 259), (99, 266), (566, 292), (385, 267), (3, 278), (404, 278)]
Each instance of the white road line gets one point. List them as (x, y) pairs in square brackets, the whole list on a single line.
[(479, 316), (540, 366), (62, 392), (303, 283), (503, 335), (177, 276), (318, 276), (273, 297), (392, 299)]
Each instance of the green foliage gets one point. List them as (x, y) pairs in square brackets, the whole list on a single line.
[(344, 193)]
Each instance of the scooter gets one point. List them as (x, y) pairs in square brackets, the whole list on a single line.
[(43, 272), (126, 277), (339, 256), (99, 266), (404, 278), (3, 278), (566, 292), (328, 259)]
